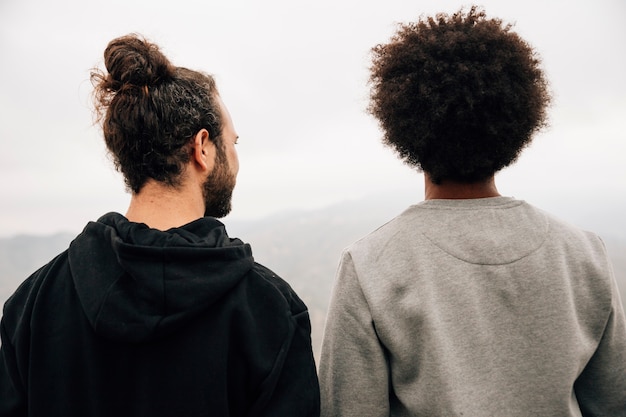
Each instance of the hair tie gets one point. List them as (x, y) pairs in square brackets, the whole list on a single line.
[(145, 90)]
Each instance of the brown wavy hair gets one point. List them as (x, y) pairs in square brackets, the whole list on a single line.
[(150, 110), (457, 96)]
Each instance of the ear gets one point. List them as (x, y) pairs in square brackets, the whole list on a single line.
[(203, 151)]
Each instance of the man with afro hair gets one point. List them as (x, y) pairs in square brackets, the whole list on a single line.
[(469, 303)]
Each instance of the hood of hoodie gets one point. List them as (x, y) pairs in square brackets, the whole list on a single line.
[(136, 283)]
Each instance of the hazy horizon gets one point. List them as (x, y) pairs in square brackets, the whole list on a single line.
[(604, 219)]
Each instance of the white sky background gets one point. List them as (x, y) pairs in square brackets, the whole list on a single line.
[(293, 74)]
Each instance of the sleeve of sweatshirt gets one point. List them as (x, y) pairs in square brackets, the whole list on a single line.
[(354, 379), (601, 387)]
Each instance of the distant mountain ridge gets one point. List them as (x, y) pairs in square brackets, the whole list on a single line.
[(301, 246)]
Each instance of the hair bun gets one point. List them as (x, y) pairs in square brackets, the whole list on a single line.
[(132, 61)]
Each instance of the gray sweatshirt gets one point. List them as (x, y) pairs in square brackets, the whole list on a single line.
[(486, 307)]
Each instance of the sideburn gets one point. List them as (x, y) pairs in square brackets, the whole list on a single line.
[(218, 187)]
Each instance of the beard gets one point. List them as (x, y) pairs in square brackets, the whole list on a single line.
[(218, 189)]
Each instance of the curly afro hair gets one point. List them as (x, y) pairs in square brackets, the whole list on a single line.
[(457, 96), (150, 110)]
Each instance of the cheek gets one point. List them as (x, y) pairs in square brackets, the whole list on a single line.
[(234, 161)]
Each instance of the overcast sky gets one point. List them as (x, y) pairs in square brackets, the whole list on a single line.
[(293, 74)]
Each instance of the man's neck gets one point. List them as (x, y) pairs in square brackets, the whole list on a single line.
[(162, 207), (455, 190)]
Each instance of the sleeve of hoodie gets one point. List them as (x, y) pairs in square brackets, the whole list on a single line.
[(15, 316), (353, 367), (12, 401), (292, 389), (297, 389)]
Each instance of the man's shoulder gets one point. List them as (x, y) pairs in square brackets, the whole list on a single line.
[(26, 294), (571, 233), (35, 280), (387, 233), (272, 285)]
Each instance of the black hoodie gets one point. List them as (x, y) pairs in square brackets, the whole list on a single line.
[(131, 321)]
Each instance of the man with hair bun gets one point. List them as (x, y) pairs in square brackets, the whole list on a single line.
[(158, 312), (469, 303)]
